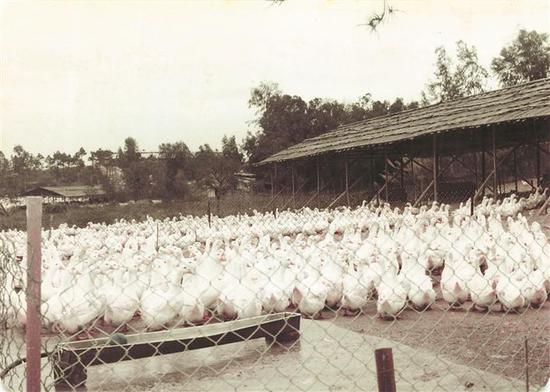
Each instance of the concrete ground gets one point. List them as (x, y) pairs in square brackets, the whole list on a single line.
[(326, 358)]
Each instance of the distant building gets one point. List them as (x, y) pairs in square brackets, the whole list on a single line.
[(245, 181), (68, 193)]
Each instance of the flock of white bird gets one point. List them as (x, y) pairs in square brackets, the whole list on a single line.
[(180, 271)]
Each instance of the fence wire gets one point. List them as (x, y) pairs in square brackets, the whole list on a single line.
[(304, 296)]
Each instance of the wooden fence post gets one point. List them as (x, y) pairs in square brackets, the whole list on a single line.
[(34, 260), (384, 370)]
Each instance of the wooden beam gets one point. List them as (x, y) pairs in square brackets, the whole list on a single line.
[(484, 183), (343, 194), (544, 206), (276, 195), (421, 165), (382, 188), (430, 185)]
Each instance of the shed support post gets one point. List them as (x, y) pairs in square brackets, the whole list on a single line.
[(386, 176), (413, 179), (435, 165), (371, 175), (537, 157), (483, 170), (293, 188), (347, 180), (401, 170), (515, 172), (495, 177), (272, 185), (318, 179)]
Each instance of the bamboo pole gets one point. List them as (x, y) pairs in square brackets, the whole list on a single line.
[(34, 260)]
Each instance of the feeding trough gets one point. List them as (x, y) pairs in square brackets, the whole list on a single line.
[(72, 358)]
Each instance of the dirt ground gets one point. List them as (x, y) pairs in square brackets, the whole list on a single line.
[(492, 342)]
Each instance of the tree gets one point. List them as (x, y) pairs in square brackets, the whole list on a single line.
[(4, 165), (215, 170), (285, 119), (230, 151), (527, 58), (452, 81), (130, 153), (176, 157), (260, 95), (101, 157)]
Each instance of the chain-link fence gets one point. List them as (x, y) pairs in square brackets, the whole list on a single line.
[(288, 299)]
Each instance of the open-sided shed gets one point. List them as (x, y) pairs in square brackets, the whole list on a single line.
[(491, 125), (71, 192)]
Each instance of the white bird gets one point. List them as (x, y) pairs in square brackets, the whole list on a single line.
[(392, 296)]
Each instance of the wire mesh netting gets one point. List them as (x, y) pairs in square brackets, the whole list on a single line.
[(289, 299)]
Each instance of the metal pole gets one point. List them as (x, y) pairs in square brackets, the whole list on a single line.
[(347, 180), (384, 370), (34, 259), (435, 165), (495, 177)]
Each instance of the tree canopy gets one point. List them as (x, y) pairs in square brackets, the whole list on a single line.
[(526, 58), (455, 80)]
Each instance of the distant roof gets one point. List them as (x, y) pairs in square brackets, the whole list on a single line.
[(245, 174), (66, 191), (524, 101)]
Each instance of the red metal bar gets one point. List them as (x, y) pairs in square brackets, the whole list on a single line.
[(34, 258), (384, 370)]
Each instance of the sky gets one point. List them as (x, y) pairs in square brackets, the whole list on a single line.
[(89, 74)]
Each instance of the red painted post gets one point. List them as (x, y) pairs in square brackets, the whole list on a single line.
[(384, 370), (34, 260)]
